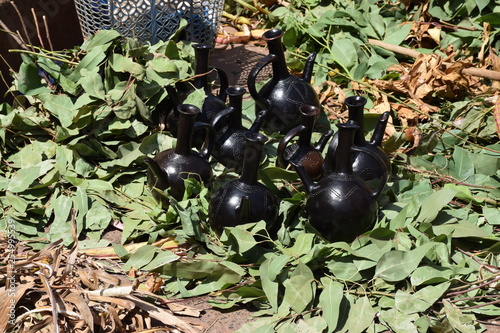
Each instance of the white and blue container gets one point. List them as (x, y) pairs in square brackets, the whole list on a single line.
[(152, 20)]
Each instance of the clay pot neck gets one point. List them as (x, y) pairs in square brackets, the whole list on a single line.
[(355, 106), (343, 156), (202, 54), (273, 39), (253, 152), (187, 117)]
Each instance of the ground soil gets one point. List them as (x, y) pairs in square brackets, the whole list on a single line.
[(237, 60)]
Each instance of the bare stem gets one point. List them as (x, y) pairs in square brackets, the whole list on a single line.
[(40, 39), (22, 22), (47, 33), (17, 38), (45, 56), (480, 72)]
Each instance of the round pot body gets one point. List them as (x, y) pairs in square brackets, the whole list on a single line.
[(178, 167), (285, 96), (238, 203), (341, 207)]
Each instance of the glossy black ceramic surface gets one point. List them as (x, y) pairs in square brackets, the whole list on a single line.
[(230, 139), (169, 168), (245, 200), (341, 206), (364, 165), (303, 151), (284, 93)]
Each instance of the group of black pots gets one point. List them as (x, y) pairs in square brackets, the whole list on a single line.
[(342, 188)]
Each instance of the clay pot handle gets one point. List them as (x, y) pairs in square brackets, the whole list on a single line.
[(252, 78), (224, 83), (380, 161), (219, 116), (296, 131), (208, 144)]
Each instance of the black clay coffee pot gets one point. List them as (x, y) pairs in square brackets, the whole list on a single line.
[(230, 139), (364, 165), (212, 104), (341, 206), (169, 168), (303, 152), (285, 92), (245, 200)]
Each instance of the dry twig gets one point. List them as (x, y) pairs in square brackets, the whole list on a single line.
[(480, 72)]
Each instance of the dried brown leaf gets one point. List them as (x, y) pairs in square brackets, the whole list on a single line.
[(82, 305), (88, 278), (496, 114), (184, 310), (162, 315), (52, 301), (124, 303), (8, 300), (116, 320)]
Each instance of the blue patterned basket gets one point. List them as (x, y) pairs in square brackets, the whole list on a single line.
[(151, 20)]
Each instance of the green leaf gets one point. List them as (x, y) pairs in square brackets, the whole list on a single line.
[(397, 265), (459, 321), (303, 245), (491, 215), (276, 263), (243, 239), (224, 274), (361, 315), (464, 193), (461, 230), (373, 253), (60, 106), (98, 217), (196, 98), (17, 202), (491, 18), (329, 301), (276, 173), (430, 274), (344, 268), (24, 178), (140, 257), (268, 271), (92, 83), (123, 64), (30, 82), (434, 204), (121, 251), (343, 51), (481, 4), (486, 164), (101, 38), (61, 226), (378, 24), (397, 34), (398, 321), (460, 166), (90, 61), (298, 292), (421, 300)]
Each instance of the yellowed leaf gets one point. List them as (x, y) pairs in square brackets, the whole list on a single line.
[(435, 34)]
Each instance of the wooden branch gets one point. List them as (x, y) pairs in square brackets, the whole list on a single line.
[(473, 71)]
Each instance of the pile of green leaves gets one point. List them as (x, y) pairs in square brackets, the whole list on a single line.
[(74, 142), (73, 147), (339, 31)]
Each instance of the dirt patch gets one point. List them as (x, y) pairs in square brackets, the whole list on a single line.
[(237, 60), (214, 320)]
